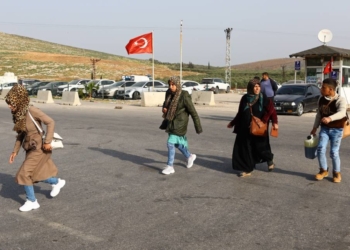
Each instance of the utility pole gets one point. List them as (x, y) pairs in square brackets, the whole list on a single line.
[(93, 62), (283, 73), (228, 56)]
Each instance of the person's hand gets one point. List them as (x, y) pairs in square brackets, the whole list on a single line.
[(313, 131), (326, 120), (275, 126), (12, 157), (229, 125), (47, 147), (164, 110)]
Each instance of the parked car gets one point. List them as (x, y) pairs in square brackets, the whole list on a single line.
[(189, 86), (73, 86), (293, 82), (296, 98), (135, 90), (8, 85), (111, 91), (33, 89), (100, 84), (52, 86), (28, 81), (215, 85)]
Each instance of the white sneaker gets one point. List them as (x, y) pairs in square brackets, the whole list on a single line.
[(168, 170), (29, 205), (190, 160), (57, 187)]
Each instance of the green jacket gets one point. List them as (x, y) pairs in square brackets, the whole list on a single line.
[(178, 126)]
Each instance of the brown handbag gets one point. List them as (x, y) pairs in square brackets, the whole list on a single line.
[(274, 132), (257, 127)]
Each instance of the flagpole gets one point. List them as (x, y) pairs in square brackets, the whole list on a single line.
[(180, 51), (152, 61)]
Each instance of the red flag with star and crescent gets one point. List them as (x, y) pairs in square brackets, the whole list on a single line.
[(329, 67), (140, 45)]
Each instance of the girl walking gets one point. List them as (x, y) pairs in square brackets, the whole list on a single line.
[(178, 106), (38, 165)]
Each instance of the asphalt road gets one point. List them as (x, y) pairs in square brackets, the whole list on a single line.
[(116, 197)]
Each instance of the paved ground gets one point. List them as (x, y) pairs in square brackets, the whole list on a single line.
[(116, 198)]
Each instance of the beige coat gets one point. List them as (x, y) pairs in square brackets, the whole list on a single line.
[(38, 165)]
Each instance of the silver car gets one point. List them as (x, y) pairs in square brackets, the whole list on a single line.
[(111, 91), (135, 90)]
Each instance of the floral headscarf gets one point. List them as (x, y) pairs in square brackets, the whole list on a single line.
[(173, 99), (18, 98)]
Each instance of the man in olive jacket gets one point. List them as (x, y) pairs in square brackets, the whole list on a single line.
[(177, 108)]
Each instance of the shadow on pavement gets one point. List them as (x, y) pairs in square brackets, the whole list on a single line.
[(217, 163), (136, 159), (11, 190), (309, 177)]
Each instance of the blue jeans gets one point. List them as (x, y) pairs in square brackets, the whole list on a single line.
[(334, 135), (30, 189), (171, 152)]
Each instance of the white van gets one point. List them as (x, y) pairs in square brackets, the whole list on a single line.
[(135, 78)]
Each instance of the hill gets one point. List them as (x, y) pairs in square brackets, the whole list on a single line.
[(33, 58), (273, 64)]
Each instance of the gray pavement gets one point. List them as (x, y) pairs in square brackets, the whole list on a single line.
[(116, 197)]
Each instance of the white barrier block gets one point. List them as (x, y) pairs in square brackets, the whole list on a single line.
[(152, 99), (203, 97), (44, 96), (4, 93), (70, 98)]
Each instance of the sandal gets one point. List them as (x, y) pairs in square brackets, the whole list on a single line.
[(244, 174)]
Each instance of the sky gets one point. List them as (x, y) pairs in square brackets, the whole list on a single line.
[(261, 30)]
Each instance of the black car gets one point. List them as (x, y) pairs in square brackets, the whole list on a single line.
[(296, 98), (33, 89), (52, 86)]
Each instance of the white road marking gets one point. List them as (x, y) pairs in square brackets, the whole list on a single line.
[(59, 227)]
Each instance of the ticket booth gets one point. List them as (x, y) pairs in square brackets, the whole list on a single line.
[(316, 60)]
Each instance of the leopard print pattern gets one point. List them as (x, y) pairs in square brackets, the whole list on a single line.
[(18, 98)]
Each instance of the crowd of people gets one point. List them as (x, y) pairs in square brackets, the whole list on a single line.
[(248, 149)]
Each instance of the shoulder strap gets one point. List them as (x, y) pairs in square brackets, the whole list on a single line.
[(36, 124)]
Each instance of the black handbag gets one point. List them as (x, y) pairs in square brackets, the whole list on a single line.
[(164, 124)]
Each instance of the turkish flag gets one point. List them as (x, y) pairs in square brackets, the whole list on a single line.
[(328, 69), (140, 45)]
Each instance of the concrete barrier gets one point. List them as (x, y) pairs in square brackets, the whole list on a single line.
[(152, 99), (203, 98), (4, 93), (44, 96), (70, 98)]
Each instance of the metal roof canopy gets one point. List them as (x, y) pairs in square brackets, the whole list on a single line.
[(321, 51)]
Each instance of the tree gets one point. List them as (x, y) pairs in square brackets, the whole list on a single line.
[(190, 65), (90, 87)]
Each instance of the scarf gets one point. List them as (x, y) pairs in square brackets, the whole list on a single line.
[(255, 98), (18, 98), (173, 98)]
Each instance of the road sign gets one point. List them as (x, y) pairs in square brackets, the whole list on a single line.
[(334, 75), (297, 65)]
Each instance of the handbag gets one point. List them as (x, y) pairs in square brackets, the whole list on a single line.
[(346, 130), (57, 140), (257, 127), (274, 132), (164, 124)]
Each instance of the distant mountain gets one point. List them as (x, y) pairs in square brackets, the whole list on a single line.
[(266, 65)]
